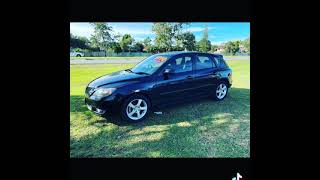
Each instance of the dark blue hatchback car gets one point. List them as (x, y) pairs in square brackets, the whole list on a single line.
[(159, 80)]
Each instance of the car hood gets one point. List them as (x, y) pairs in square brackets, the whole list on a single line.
[(116, 77)]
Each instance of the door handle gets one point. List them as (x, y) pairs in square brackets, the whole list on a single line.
[(189, 77)]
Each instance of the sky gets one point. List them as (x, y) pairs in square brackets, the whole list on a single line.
[(218, 32)]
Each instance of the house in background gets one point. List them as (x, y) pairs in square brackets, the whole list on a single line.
[(220, 49), (242, 49)]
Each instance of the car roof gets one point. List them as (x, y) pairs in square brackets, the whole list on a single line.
[(173, 53)]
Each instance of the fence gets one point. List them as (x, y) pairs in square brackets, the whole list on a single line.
[(237, 54), (122, 54), (137, 54)]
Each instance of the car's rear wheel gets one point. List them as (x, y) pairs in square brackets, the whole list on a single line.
[(78, 55), (135, 108), (221, 91)]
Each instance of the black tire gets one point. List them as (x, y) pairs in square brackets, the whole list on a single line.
[(215, 94), (78, 55), (123, 112)]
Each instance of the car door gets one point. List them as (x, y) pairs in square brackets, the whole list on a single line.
[(176, 85), (205, 74)]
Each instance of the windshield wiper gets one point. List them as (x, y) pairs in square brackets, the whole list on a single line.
[(129, 70), (142, 73)]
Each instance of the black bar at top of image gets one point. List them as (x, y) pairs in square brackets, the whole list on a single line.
[(161, 10)]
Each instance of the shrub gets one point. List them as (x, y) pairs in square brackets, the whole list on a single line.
[(77, 50)]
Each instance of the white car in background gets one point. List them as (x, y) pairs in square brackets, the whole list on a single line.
[(76, 54)]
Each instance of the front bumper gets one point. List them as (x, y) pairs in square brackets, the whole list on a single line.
[(105, 105), (96, 110)]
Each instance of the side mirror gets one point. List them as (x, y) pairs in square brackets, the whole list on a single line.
[(168, 71)]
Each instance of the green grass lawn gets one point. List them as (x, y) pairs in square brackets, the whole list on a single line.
[(107, 58), (203, 128)]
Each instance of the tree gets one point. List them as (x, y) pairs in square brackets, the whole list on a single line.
[(232, 47), (138, 47), (188, 41), (115, 47), (177, 48), (204, 43), (79, 42), (125, 42), (177, 30), (205, 33), (214, 48), (101, 36), (246, 44), (117, 37), (152, 49), (147, 44), (155, 49), (147, 41), (166, 34)]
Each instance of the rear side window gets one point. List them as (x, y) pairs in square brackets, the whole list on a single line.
[(220, 62), (203, 62)]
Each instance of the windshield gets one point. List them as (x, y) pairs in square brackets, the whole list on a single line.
[(150, 64)]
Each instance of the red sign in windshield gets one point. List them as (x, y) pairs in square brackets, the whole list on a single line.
[(160, 59)]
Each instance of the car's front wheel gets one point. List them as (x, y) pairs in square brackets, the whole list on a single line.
[(135, 108), (78, 55), (221, 91)]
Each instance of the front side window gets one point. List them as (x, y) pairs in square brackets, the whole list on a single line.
[(203, 62), (180, 64), (150, 65)]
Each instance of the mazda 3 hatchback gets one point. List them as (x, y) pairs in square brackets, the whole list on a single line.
[(157, 81)]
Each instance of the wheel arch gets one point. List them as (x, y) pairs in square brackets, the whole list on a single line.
[(138, 93), (226, 80)]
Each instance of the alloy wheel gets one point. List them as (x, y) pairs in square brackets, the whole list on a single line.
[(136, 109), (221, 91)]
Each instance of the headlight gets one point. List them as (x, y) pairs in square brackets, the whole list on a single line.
[(102, 92)]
